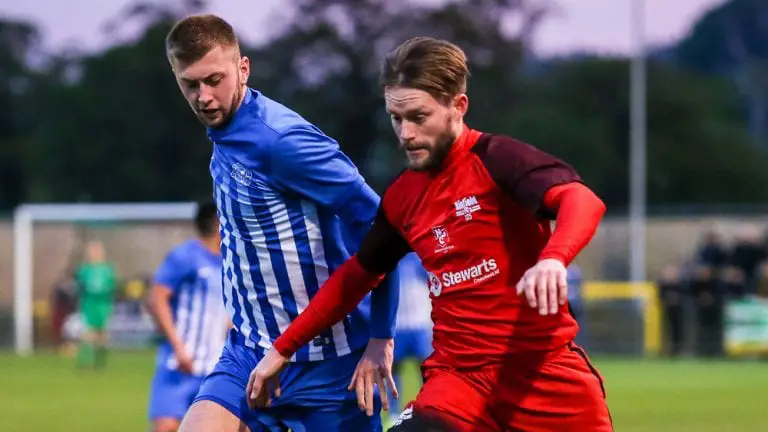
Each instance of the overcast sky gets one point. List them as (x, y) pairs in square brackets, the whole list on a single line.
[(594, 25)]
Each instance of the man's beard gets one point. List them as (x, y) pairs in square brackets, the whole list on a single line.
[(436, 154), (230, 111)]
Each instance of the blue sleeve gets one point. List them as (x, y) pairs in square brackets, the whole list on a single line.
[(171, 272), (307, 162)]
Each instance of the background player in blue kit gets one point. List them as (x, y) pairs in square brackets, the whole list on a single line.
[(576, 302), (186, 303), (287, 199), (414, 322)]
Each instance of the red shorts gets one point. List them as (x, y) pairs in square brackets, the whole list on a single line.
[(555, 391)]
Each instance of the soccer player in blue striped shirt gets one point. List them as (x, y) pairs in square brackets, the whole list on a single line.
[(185, 301), (292, 208)]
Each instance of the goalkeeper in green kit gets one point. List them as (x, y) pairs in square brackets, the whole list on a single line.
[(96, 281)]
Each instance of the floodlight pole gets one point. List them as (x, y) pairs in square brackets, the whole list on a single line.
[(638, 147)]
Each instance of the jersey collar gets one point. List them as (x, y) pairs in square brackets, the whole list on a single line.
[(466, 140), (250, 95)]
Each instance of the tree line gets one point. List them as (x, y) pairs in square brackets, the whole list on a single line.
[(112, 126)]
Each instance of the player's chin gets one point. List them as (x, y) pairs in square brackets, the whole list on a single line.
[(419, 163), (211, 121)]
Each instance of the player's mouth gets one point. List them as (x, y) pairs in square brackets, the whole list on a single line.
[(417, 152), (209, 112)]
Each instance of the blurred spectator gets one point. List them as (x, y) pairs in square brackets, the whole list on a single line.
[(709, 310), (747, 254), (762, 280), (734, 282), (712, 253), (671, 297)]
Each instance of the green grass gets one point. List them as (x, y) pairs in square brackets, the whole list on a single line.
[(45, 393)]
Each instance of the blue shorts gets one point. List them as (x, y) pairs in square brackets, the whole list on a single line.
[(416, 343), (314, 395), (172, 393)]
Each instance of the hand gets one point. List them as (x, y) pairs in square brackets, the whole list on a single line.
[(265, 379), (545, 285), (375, 367), (186, 364)]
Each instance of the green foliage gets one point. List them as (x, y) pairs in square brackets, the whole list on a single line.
[(113, 127), (699, 150)]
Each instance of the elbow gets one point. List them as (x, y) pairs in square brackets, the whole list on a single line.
[(599, 205), (576, 194), (149, 304), (582, 195), (150, 301)]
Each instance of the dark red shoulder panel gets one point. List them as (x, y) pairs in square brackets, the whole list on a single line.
[(523, 171)]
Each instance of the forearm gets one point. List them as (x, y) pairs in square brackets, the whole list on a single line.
[(384, 302), (579, 212), (161, 313), (338, 296)]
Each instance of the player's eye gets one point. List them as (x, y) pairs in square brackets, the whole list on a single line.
[(418, 118), (213, 81), (192, 85), (396, 119)]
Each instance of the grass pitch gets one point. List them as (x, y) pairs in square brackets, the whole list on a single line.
[(46, 393)]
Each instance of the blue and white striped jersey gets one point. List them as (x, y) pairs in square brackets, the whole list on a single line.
[(193, 274), (292, 208)]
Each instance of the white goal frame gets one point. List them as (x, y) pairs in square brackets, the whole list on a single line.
[(26, 215)]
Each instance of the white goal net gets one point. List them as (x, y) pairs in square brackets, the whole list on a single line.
[(48, 243)]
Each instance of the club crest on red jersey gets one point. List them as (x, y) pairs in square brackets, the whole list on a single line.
[(442, 238)]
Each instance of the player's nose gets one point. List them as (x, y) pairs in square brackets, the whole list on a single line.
[(205, 96), (407, 133)]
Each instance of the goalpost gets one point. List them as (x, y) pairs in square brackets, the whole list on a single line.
[(27, 215)]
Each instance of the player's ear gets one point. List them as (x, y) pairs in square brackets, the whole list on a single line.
[(461, 104), (245, 68)]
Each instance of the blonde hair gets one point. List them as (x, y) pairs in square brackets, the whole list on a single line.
[(434, 65)]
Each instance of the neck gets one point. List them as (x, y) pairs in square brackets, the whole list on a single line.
[(211, 244), (242, 98), (458, 128)]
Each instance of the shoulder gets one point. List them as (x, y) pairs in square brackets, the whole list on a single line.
[(403, 192), (263, 121), (285, 123), (290, 133), (396, 188), (510, 159), (182, 251), (275, 115), (489, 146)]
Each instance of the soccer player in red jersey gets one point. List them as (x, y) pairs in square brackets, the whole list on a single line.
[(477, 209)]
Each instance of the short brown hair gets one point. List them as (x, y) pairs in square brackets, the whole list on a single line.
[(194, 36), (433, 65)]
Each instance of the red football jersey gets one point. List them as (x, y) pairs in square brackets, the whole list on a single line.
[(477, 224)]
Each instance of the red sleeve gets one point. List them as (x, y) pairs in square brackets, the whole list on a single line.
[(523, 171), (579, 212), (381, 250), (548, 187)]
